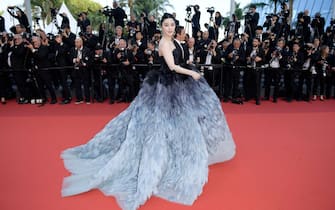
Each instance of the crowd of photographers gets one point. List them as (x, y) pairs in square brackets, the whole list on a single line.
[(298, 63)]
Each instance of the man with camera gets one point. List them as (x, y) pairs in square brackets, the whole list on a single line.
[(252, 75), (235, 59), (305, 75), (68, 37), (101, 71), (119, 14), (40, 56), (81, 58), (2, 24), (18, 13), (5, 83), (124, 57), (114, 41), (318, 25), (90, 40), (132, 27), (195, 20), (251, 21), (294, 63), (233, 26), (62, 54), (18, 58), (276, 65), (83, 21), (65, 20)]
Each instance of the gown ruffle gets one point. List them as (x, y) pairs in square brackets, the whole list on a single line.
[(160, 145)]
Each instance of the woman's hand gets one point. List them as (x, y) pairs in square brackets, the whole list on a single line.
[(196, 75)]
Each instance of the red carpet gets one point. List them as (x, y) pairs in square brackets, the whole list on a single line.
[(285, 158)]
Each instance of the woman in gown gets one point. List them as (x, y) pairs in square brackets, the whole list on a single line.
[(161, 144)]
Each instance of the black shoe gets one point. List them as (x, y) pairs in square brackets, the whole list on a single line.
[(53, 101), (111, 101), (66, 101), (275, 100), (79, 102), (258, 102), (87, 101), (266, 98), (237, 101), (225, 100)]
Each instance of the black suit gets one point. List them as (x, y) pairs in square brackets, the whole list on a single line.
[(2, 24), (42, 63), (81, 72), (232, 76), (119, 15), (23, 19), (196, 23), (62, 54), (129, 78), (69, 40), (252, 75), (17, 61)]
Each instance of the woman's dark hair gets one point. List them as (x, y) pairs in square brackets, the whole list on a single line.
[(167, 16)]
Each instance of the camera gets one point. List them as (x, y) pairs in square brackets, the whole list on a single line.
[(53, 12), (189, 8), (123, 53), (210, 10), (51, 36), (98, 57), (107, 11)]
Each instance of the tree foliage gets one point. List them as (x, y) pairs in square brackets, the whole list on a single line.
[(75, 7)]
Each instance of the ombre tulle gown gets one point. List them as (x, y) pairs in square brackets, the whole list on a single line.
[(160, 145)]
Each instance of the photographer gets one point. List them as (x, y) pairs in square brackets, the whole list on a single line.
[(196, 21), (233, 26), (318, 25), (5, 83), (276, 65), (251, 21), (151, 54), (132, 27), (40, 56), (102, 71), (191, 55), (205, 40), (235, 59), (210, 55), (17, 13), (114, 41), (68, 37), (330, 80), (65, 20), (322, 69), (305, 74), (83, 21), (81, 58), (2, 24), (90, 40), (18, 58), (293, 68), (252, 75), (62, 54), (119, 14), (125, 58)]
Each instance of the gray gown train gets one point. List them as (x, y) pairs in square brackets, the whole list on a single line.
[(160, 145)]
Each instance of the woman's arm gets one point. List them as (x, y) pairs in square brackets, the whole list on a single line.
[(166, 51)]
